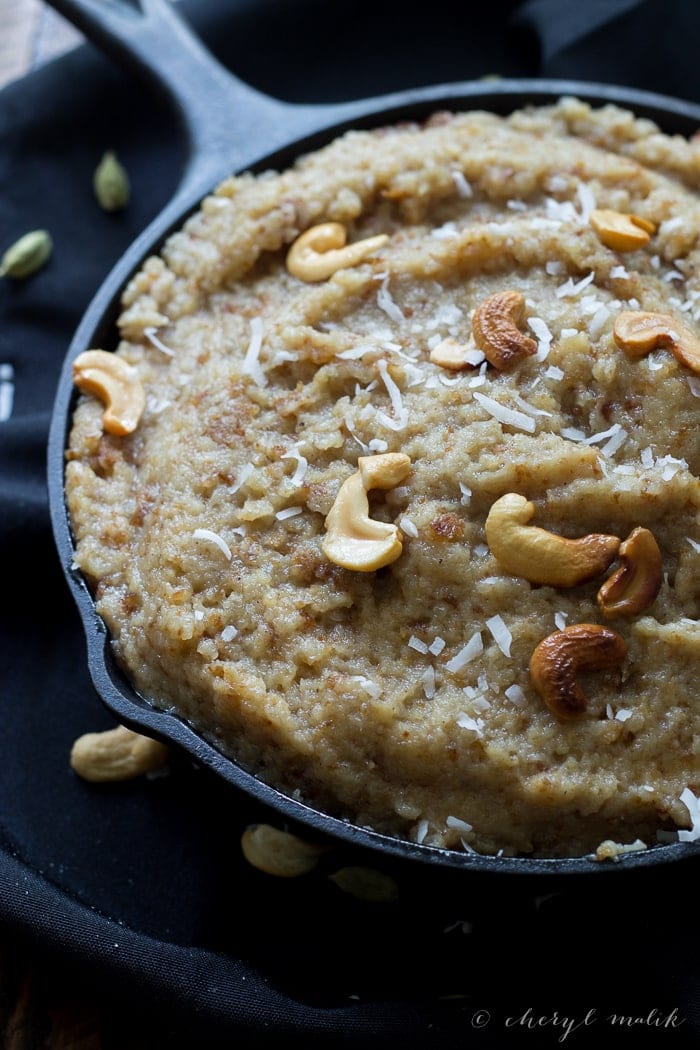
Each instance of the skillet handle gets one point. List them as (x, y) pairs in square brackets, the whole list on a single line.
[(222, 116)]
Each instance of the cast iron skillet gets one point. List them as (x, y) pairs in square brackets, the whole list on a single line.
[(231, 127)]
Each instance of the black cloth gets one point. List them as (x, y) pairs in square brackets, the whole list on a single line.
[(138, 890)]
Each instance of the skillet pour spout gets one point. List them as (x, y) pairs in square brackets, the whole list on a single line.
[(231, 127)]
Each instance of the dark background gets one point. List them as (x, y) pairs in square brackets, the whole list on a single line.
[(129, 917)]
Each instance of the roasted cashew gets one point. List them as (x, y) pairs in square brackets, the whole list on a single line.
[(562, 655), (495, 329), (638, 580), (621, 232), (638, 333), (453, 355), (118, 754), (279, 852), (540, 556), (353, 539), (321, 250), (116, 384)]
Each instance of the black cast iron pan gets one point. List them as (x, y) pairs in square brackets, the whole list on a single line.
[(232, 127)]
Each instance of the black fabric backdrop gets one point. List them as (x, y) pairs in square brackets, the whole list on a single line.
[(138, 891)]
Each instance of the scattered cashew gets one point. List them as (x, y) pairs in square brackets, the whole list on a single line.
[(638, 580), (455, 356), (118, 754), (116, 384), (321, 250), (560, 656), (353, 539), (279, 852), (621, 232), (638, 333), (544, 557), (495, 328)]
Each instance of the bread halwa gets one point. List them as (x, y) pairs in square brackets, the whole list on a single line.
[(474, 343)]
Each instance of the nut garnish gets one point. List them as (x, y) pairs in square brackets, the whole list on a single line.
[(621, 232), (635, 585), (495, 328), (278, 852), (117, 754), (638, 333), (453, 355), (544, 557), (353, 539), (562, 655), (116, 384), (321, 250)]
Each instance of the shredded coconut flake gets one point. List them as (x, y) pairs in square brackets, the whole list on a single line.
[(153, 339), (481, 550), (213, 537), (693, 543), (288, 512), (400, 413), (509, 416), (614, 444), (229, 633), (243, 476), (437, 646), (572, 288), (459, 825), (462, 185), (475, 725), (619, 272), (602, 435), (501, 635), (554, 373), (387, 304), (370, 687), (543, 335), (530, 409), (692, 804), (407, 526), (515, 694), (417, 644), (422, 828), (466, 654), (560, 619), (647, 458), (428, 680), (466, 494), (623, 714), (7, 392), (251, 362), (694, 384), (586, 200), (302, 465)]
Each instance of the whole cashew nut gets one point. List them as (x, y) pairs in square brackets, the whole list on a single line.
[(562, 655), (636, 583), (278, 852), (118, 754), (495, 329), (353, 539), (638, 333), (115, 383), (321, 250), (621, 232), (544, 557)]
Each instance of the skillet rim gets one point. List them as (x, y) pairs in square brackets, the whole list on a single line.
[(109, 680)]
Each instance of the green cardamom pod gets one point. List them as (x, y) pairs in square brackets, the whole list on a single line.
[(26, 255), (366, 884), (111, 183)]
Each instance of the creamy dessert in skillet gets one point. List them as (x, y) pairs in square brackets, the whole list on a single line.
[(391, 487)]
